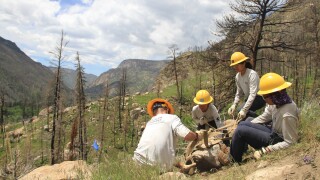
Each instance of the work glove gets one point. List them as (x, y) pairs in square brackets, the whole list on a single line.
[(232, 109), (259, 153), (203, 121), (242, 114)]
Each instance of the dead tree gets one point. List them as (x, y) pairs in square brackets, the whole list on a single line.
[(81, 103), (158, 87), (122, 94), (104, 118), (173, 53), (315, 30), (123, 86), (253, 30), (56, 110), (2, 124), (1, 112)]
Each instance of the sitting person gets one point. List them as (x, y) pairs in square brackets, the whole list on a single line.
[(204, 113), (158, 141), (283, 113)]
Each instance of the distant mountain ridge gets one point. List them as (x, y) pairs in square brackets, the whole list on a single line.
[(69, 77), (141, 75), (20, 76)]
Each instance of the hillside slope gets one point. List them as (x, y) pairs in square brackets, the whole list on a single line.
[(69, 77), (140, 76), (20, 76)]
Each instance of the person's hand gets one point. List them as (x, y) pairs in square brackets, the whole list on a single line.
[(241, 115), (232, 109), (258, 154)]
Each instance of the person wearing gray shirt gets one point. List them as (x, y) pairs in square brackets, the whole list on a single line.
[(247, 81), (281, 111), (205, 114)]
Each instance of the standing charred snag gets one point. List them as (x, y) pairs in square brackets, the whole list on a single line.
[(104, 118), (58, 54), (81, 103), (253, 30), (173, 50)]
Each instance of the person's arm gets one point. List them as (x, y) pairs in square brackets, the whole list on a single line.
[(289, 133), (194, 115), (253, 89), (182, 131), (216, 115), (239, 93), (266, 116), (191, 136)]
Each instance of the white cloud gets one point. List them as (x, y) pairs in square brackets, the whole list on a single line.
[(107, 32)]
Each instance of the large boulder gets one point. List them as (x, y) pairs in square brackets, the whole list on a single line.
[(15, 134), (135, 113), (45, 111), (211, 152), (65, 170)]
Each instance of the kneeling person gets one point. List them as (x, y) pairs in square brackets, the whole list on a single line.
[(158, 142), (205, 114)]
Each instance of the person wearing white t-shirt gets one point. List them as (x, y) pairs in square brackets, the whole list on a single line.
[(247, 81), (205, 114), (158, 141), (281, 111)]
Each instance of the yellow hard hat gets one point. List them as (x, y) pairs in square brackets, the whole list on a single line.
[(202, 97), (237, 58), (155, 103), (272, 82)]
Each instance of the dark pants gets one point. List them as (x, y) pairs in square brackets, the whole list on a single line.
[(256, 135), (257, 104), (211, 123)]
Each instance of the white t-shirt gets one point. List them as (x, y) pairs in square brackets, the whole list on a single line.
[(210, 115), (247, 87), (158, 141), (284, 123)]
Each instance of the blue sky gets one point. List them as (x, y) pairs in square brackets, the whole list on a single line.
[(106, 32)]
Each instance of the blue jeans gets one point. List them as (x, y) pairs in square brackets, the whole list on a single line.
[(256, 135)]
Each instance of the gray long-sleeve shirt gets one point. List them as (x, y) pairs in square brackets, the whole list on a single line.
[(284, 123), (211, 114), (247, 87)]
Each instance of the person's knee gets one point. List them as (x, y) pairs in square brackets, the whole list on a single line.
[(244, 123), (249, 119)]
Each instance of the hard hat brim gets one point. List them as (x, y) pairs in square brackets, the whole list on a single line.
[(283, 86), (200, 103), (235, 63), (150, 104)]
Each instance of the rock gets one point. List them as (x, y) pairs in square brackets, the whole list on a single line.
[(65, 170), (134, 114), (46, 128), (45, 111), (68, 109), (34, 119), (263, 164), (269, 173), (135, 105), (16, 133), (172, 176)]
